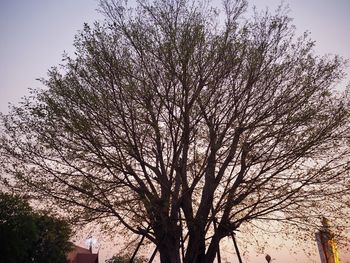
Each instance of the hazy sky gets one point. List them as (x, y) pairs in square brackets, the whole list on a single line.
[(35, 33), (33, 36)]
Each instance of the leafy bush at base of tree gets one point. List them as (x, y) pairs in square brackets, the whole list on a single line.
[(125, 259)]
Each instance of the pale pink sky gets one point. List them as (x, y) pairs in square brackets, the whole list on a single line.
[(35, 33)]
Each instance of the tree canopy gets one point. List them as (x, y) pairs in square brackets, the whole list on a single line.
[(30, 237), (184, 124)]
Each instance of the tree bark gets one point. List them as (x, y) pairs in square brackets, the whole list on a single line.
[(196, 245), (168, 243), (213, 247), (169, 251)]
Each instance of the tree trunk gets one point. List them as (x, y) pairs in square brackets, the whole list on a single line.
[(196, 247), (213, 249), (168, 242), (169, 250)]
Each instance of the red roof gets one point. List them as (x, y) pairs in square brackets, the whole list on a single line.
[(82, 255), (87, 258)]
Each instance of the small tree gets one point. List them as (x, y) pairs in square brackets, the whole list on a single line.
[(52, 243), (184, 128), (17, 229), (29, 237)]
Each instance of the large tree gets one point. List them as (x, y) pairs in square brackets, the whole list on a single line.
[(184, 124)]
